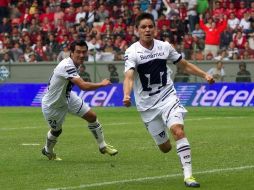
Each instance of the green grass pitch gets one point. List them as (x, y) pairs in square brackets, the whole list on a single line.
[(222, 141)]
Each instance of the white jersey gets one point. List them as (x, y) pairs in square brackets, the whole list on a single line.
[(59, 87), (152, 82)]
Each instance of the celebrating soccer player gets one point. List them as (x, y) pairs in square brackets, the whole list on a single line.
[(147, 73)]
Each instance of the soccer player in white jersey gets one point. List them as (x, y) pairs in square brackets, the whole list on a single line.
[(59, 100), (147, 73)]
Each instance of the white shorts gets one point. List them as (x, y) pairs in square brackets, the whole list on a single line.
[(55, 116), (158, 127)]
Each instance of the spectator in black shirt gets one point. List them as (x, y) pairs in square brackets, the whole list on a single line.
[(114, 77), (243, 75), (225, 38), (181, 76), (5, 26), (83, 74)]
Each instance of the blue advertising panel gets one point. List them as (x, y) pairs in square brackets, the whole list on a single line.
[(31, 95), (190, 94), (219, 94), (21, 94)]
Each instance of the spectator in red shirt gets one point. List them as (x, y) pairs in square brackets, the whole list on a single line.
[(69, 16), (119, 42), (188, 45), (247, 49), (239, 40), (230, 9), (119, 23), (225, 4), (107, 25), (251, 9), (119, 31), (162, 21), (241, 10), (218, 10), (26, 16), (58, 14), (212, 39), (60, 27), (40, 50), (129, 34), (48, 14), (46, 25), (182, 12)]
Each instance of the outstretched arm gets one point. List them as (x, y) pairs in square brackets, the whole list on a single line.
[(127, 87), (201, 23), (89, 85), (194, 70)]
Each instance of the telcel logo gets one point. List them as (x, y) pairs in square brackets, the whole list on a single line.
[(224, 97), (98, 98)]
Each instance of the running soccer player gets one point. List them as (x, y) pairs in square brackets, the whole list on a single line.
[(147, 73), (59, 100)]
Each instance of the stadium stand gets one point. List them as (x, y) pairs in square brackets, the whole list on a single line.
[(39, 31)]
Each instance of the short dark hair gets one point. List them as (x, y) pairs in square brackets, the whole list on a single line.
[(243, 64), (83, 65), (80, 42), (143, 16)]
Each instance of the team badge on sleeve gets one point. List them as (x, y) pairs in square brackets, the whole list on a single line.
[(125, 57)]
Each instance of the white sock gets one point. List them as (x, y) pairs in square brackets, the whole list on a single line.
[(184, 153), (97, 132), (51, 141)]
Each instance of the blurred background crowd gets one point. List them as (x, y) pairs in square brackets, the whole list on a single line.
[(33, 31)]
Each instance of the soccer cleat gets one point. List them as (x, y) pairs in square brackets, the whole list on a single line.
[(108, 149), (191, 182), (49, 155)]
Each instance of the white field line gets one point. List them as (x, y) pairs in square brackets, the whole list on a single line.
[(130, 123), (16, 128), (214, 118), (83, 186), (30, 144)]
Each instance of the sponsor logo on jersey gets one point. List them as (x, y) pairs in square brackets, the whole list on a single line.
[(159, 47), (142, 57)]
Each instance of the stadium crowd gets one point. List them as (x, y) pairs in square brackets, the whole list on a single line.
[(33, 31)]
